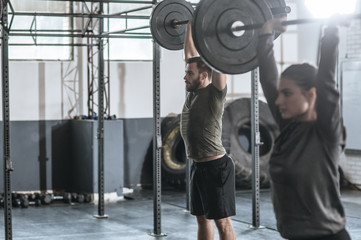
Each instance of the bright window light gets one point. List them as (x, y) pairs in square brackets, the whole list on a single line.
[(327, 8)]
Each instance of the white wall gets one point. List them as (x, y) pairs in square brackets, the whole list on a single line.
[(35, 90), (132, 86), (53, 90)]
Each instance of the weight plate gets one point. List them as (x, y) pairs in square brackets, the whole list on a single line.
[(219, 47), (278, 8), (163, 15)]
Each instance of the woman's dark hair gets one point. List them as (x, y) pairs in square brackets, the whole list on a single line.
[(202, 67), (303, 74)]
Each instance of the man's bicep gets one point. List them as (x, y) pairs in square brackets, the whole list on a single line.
[(219, 80)]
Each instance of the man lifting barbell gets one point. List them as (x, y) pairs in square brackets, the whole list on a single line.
[(305, 161), (212, 185)]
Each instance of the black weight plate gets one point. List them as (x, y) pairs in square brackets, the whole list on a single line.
[(214, 40), (161, 20), (275, 5)]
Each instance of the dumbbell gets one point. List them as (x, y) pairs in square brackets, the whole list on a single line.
[(16, 202), (45, 198), (87, 198), (19, 200), (33, 200), (74, 197), (24, 202), (80, 198), (66, 197)]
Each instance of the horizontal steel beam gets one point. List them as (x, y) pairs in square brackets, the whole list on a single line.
[(79, 15), (127, 30), (54, 44), (59, 31), (79, 35), (45, 30)]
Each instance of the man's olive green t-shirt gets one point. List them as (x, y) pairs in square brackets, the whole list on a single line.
[(201, 122)]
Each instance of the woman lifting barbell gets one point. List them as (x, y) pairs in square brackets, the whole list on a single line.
[(304, 163)]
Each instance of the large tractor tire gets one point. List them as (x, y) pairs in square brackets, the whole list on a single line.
[(236, 138), (173, 153)]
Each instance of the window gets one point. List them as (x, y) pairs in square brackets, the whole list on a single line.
[(22, 46), (134, 48)]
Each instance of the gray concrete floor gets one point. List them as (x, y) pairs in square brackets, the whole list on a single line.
[(133, 219)]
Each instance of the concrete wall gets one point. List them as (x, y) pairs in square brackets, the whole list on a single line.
[(63, 156)]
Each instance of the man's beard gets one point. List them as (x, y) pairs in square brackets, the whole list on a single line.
[(194, 85)]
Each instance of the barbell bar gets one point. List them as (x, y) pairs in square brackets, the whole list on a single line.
[(281, 10), (301, 21)]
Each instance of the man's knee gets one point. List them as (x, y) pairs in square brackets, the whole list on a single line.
[(203, 220), (224, 224)]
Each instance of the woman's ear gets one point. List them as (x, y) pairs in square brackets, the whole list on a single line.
[(312, 93)]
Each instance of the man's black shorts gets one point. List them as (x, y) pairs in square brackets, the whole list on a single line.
[(212, 188)]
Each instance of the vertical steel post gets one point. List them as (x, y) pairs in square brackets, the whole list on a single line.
[(255, 150), (6, 121), (101, 119), (157, 144), (90, 77), (107, 95), (188, 189)]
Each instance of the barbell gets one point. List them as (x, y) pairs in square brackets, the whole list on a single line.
[(225, 32), (215, 29)]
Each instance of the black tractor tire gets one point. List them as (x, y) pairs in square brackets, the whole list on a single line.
[(236, 138), (173, 153)]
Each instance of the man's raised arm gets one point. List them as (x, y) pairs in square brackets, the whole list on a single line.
[(218, 79)]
